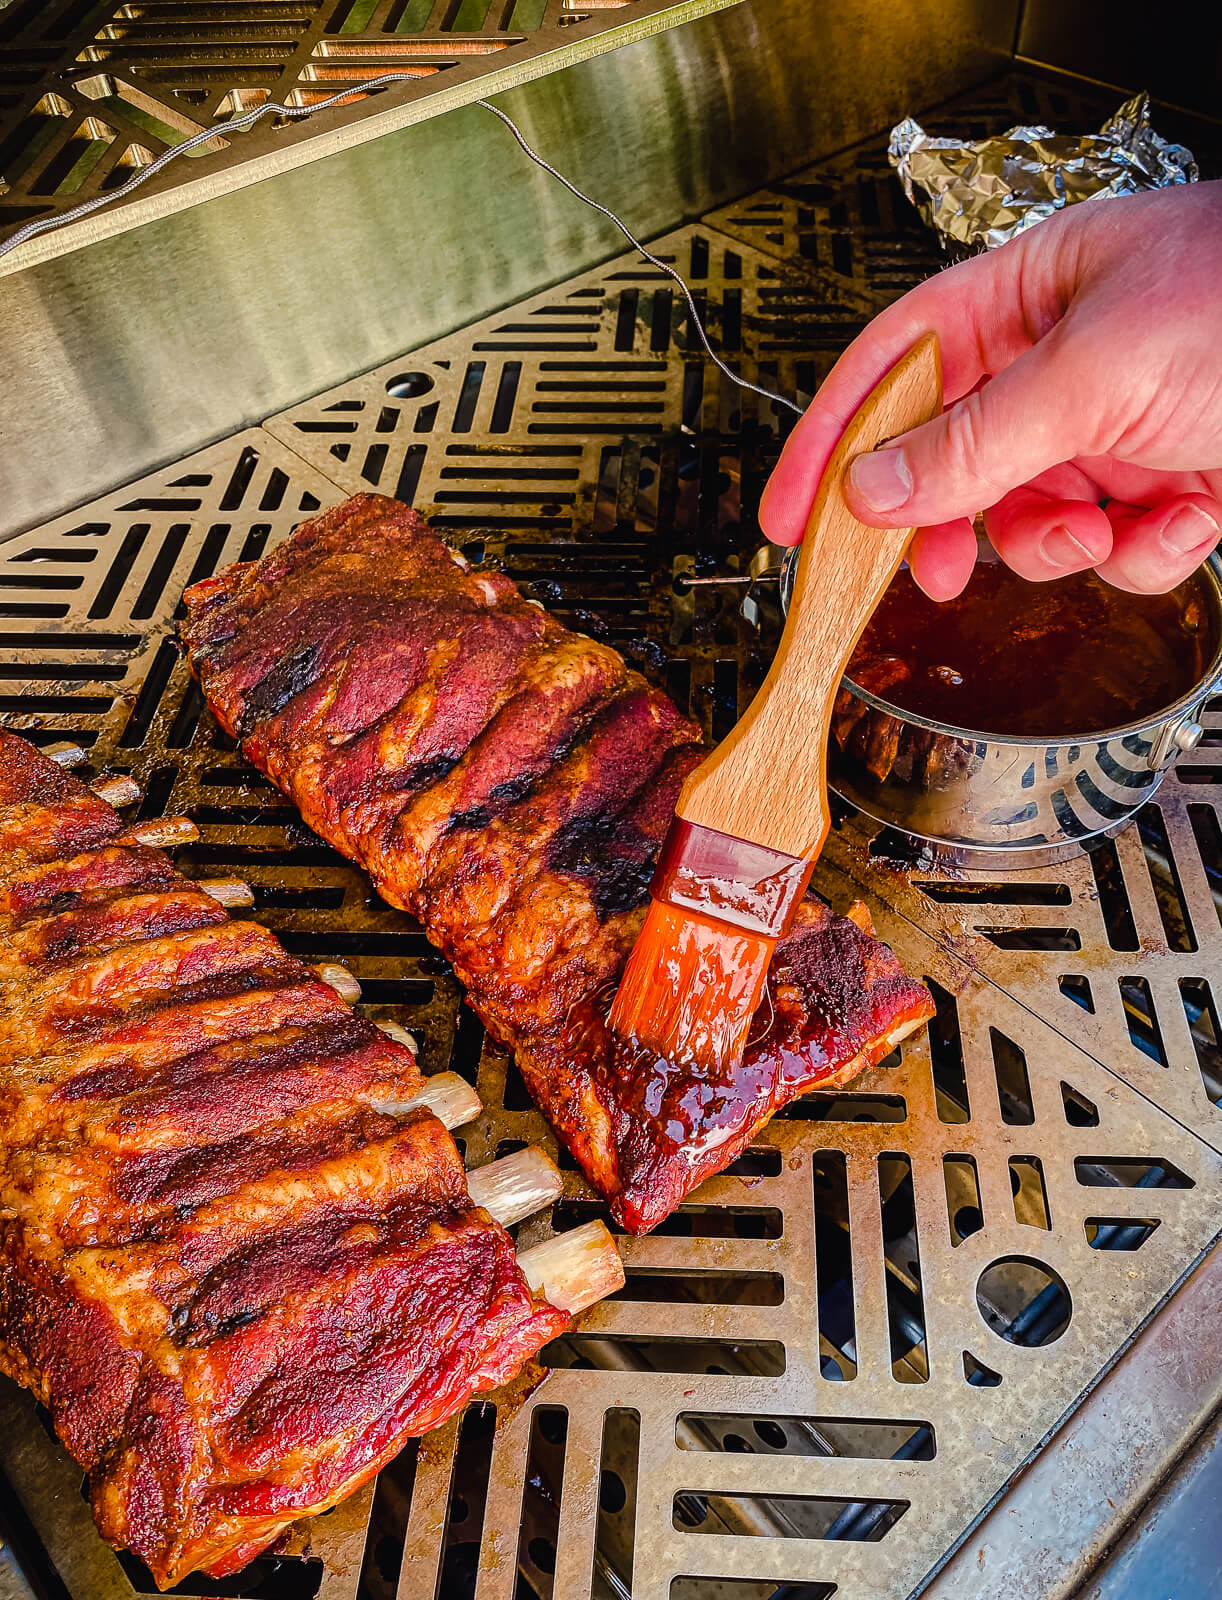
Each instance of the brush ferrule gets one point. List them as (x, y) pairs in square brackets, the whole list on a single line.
[(746, 885)]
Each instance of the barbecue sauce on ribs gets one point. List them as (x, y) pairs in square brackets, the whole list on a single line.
[(510, 784)]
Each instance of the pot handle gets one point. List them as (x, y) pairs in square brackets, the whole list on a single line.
[(1175, 738)]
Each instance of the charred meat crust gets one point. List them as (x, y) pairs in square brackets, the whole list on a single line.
[(528, 855), (237, 1272)]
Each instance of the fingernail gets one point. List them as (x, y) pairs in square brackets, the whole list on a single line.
[(881, 478), (1187, 529), (1059, 548)]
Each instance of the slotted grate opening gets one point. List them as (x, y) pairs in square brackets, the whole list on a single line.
[(977, 1227)]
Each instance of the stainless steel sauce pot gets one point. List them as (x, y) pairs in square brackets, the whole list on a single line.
[(1002, 801)]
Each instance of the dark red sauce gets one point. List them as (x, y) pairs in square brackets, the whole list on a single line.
[(1043, 660)]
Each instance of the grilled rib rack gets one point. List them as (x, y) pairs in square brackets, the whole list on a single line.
[(830, 1362)]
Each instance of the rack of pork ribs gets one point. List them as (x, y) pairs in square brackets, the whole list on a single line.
[(508, 783), (242, 1262)]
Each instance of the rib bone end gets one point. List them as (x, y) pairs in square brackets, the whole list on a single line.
[(449, 1097), (516, 1185), (65, 755), (228, 891), (574, 1269), (118, 790), (346, 986), (160, 833)]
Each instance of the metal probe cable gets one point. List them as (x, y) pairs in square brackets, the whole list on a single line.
[(238, 124), (247, 119), (662, 266)]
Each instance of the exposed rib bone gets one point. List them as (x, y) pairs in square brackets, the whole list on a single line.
[(228, 891), (902, 1030), (392, 1030), (162, 832), (340, 979), (516, 1186), (119, 790), (855, 1065), (574, 1269), (65, 755), (450, 1098)]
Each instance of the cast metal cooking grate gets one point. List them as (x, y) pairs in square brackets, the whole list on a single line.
[(826, 1365), (90, 93)]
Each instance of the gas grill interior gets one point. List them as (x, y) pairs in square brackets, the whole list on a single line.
[(825, 1365)]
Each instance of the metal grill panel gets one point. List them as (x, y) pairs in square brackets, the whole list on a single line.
[(92, 93), (818, 1374)]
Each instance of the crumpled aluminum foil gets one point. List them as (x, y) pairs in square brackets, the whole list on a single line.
[(980, 195)]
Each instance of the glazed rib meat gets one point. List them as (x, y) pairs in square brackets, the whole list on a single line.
[(509, 783), (238, 1268)]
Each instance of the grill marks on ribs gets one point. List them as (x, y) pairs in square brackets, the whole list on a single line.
[(514, 797), (237, 1268)]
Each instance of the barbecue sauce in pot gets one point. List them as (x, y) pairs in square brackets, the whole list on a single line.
[(1037, 660)]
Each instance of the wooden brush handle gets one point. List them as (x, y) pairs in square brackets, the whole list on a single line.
[(767, 781)]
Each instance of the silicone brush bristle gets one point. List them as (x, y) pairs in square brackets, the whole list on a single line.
[(691, 987)]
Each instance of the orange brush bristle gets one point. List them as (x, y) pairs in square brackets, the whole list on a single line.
[(691, 987), (696, 973)]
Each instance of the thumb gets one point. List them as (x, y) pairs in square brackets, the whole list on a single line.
[(1003, 434)]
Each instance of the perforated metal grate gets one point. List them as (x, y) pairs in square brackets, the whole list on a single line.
[(90, 93), (829, 1362)]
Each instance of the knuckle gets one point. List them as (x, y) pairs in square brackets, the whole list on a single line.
[(965, 452)]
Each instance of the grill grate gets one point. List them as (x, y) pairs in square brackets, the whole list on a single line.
[(829, 1362), (90, 94)]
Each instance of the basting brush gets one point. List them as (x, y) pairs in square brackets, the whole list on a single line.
[(752, 818)]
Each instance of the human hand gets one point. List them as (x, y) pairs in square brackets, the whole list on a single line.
[(1082, 364)]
